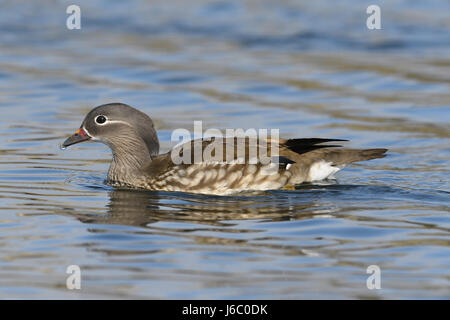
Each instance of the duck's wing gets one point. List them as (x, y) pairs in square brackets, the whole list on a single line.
[(239, 150), (218, 150)]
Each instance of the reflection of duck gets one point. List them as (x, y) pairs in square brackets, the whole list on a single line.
[(211, 166), (203, 220), (127, 207), (141, 208)]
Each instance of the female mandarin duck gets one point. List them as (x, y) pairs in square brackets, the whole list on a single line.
[(137, 163)]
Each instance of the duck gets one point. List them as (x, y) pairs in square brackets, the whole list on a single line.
[(137, 162)]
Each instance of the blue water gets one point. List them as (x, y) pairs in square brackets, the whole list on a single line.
[(307, 69)]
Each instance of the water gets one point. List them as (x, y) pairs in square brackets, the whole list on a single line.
[(309, 69)]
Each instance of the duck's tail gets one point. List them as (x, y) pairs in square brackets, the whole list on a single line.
[(346, 156)]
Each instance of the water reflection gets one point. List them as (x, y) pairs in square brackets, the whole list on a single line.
[(141, 208), (308, 201)]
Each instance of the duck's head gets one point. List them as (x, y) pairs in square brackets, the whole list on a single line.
[(121, 127)]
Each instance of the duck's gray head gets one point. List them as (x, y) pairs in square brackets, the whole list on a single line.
[(117, 125)]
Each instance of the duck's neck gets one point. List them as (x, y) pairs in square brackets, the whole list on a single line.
[(129, 157)]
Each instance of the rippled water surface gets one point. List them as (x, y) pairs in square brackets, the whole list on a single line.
[(309, 69)]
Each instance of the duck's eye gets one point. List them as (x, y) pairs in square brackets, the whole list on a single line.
[(100, 119)]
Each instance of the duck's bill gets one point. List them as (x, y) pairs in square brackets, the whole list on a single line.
[(79, 136)]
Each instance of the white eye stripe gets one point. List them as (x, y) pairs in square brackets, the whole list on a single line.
[(109, 121), (118, 121)]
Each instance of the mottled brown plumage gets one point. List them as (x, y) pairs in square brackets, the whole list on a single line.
[(215, 165)]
